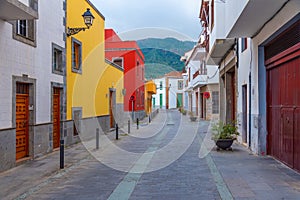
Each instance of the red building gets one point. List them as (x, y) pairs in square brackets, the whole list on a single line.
[(128, 55)]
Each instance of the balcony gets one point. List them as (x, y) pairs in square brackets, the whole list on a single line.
[(15, 10), (151, 87), (253, 16)]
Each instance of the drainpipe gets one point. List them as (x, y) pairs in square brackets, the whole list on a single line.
[(250, 109), (250, 89)]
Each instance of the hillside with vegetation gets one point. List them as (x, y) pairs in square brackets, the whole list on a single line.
[(163, 55)]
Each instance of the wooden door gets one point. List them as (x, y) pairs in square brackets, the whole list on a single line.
[(22, 121), (283, 105), (56, 117)]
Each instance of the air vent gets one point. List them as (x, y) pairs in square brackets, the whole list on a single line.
[(284, 41)]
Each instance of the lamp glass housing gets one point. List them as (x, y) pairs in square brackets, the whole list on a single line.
[(88, 18)]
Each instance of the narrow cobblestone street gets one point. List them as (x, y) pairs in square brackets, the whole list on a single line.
[(233, 174)]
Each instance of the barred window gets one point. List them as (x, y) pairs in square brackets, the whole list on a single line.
[(215, 102), (25, 28)]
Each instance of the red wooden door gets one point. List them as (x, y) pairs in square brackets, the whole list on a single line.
[(22, 121), (56, 117), (283, 98)]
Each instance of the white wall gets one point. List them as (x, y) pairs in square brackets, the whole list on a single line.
[(159, 91), (18, 58), (233, 9), (173, 92), (25, 2), (50, 29), (218, 31)]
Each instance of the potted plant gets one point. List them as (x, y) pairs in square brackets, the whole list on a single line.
[(193, 118), (181, 109), (224, 134)]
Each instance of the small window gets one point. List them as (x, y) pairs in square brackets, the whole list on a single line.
[(161, 85), (203, 69), (137, 68), (180, 85), (137, 97), (34, 4), (24, 31), (142, 99), (244, 44), (76, 56), (77, 115), (215, 102), (57, 59), (118, 61)]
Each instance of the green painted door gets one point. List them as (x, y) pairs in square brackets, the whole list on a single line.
[(179, 100), (160, 100)]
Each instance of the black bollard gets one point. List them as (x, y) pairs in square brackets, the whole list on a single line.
[(137, 123), (62, 144), (97, 138), (149, 119), (117, 132), (128, 126)]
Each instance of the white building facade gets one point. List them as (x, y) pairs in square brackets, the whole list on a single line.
[(159, 99), (169, 91), (32, 78), (201, 85), (257, 49)]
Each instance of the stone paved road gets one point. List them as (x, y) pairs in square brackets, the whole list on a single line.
[(219, 175)]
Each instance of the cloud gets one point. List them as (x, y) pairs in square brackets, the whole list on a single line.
[(125, 16)]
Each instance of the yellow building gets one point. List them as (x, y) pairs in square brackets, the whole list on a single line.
[(150, 89), (94, 85)]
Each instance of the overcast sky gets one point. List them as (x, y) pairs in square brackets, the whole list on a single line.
[(136, 19)]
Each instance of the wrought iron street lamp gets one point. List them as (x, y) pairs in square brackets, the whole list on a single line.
[(88, 20)]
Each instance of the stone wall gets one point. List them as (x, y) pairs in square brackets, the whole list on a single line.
[(7, 149)]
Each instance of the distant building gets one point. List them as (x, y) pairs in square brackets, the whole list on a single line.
[(169, 91), (150, 89), (201, 84), (159, 99), (128, 55)]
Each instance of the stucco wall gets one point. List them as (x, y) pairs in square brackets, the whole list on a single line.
[(18, 58)]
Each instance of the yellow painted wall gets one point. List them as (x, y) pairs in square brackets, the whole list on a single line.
[(88, 90), (150, 89), (111, 78)]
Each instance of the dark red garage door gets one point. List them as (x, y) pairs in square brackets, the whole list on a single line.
[(283, 96)]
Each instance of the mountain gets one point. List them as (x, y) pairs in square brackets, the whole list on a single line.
[(163, 55)]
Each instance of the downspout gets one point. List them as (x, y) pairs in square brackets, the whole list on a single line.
[(250, 98)]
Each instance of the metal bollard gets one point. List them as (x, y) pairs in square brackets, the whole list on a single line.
[(128, 126), (97, 138), (137, 123), (61, 157), (117, 132), (149, 119)]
